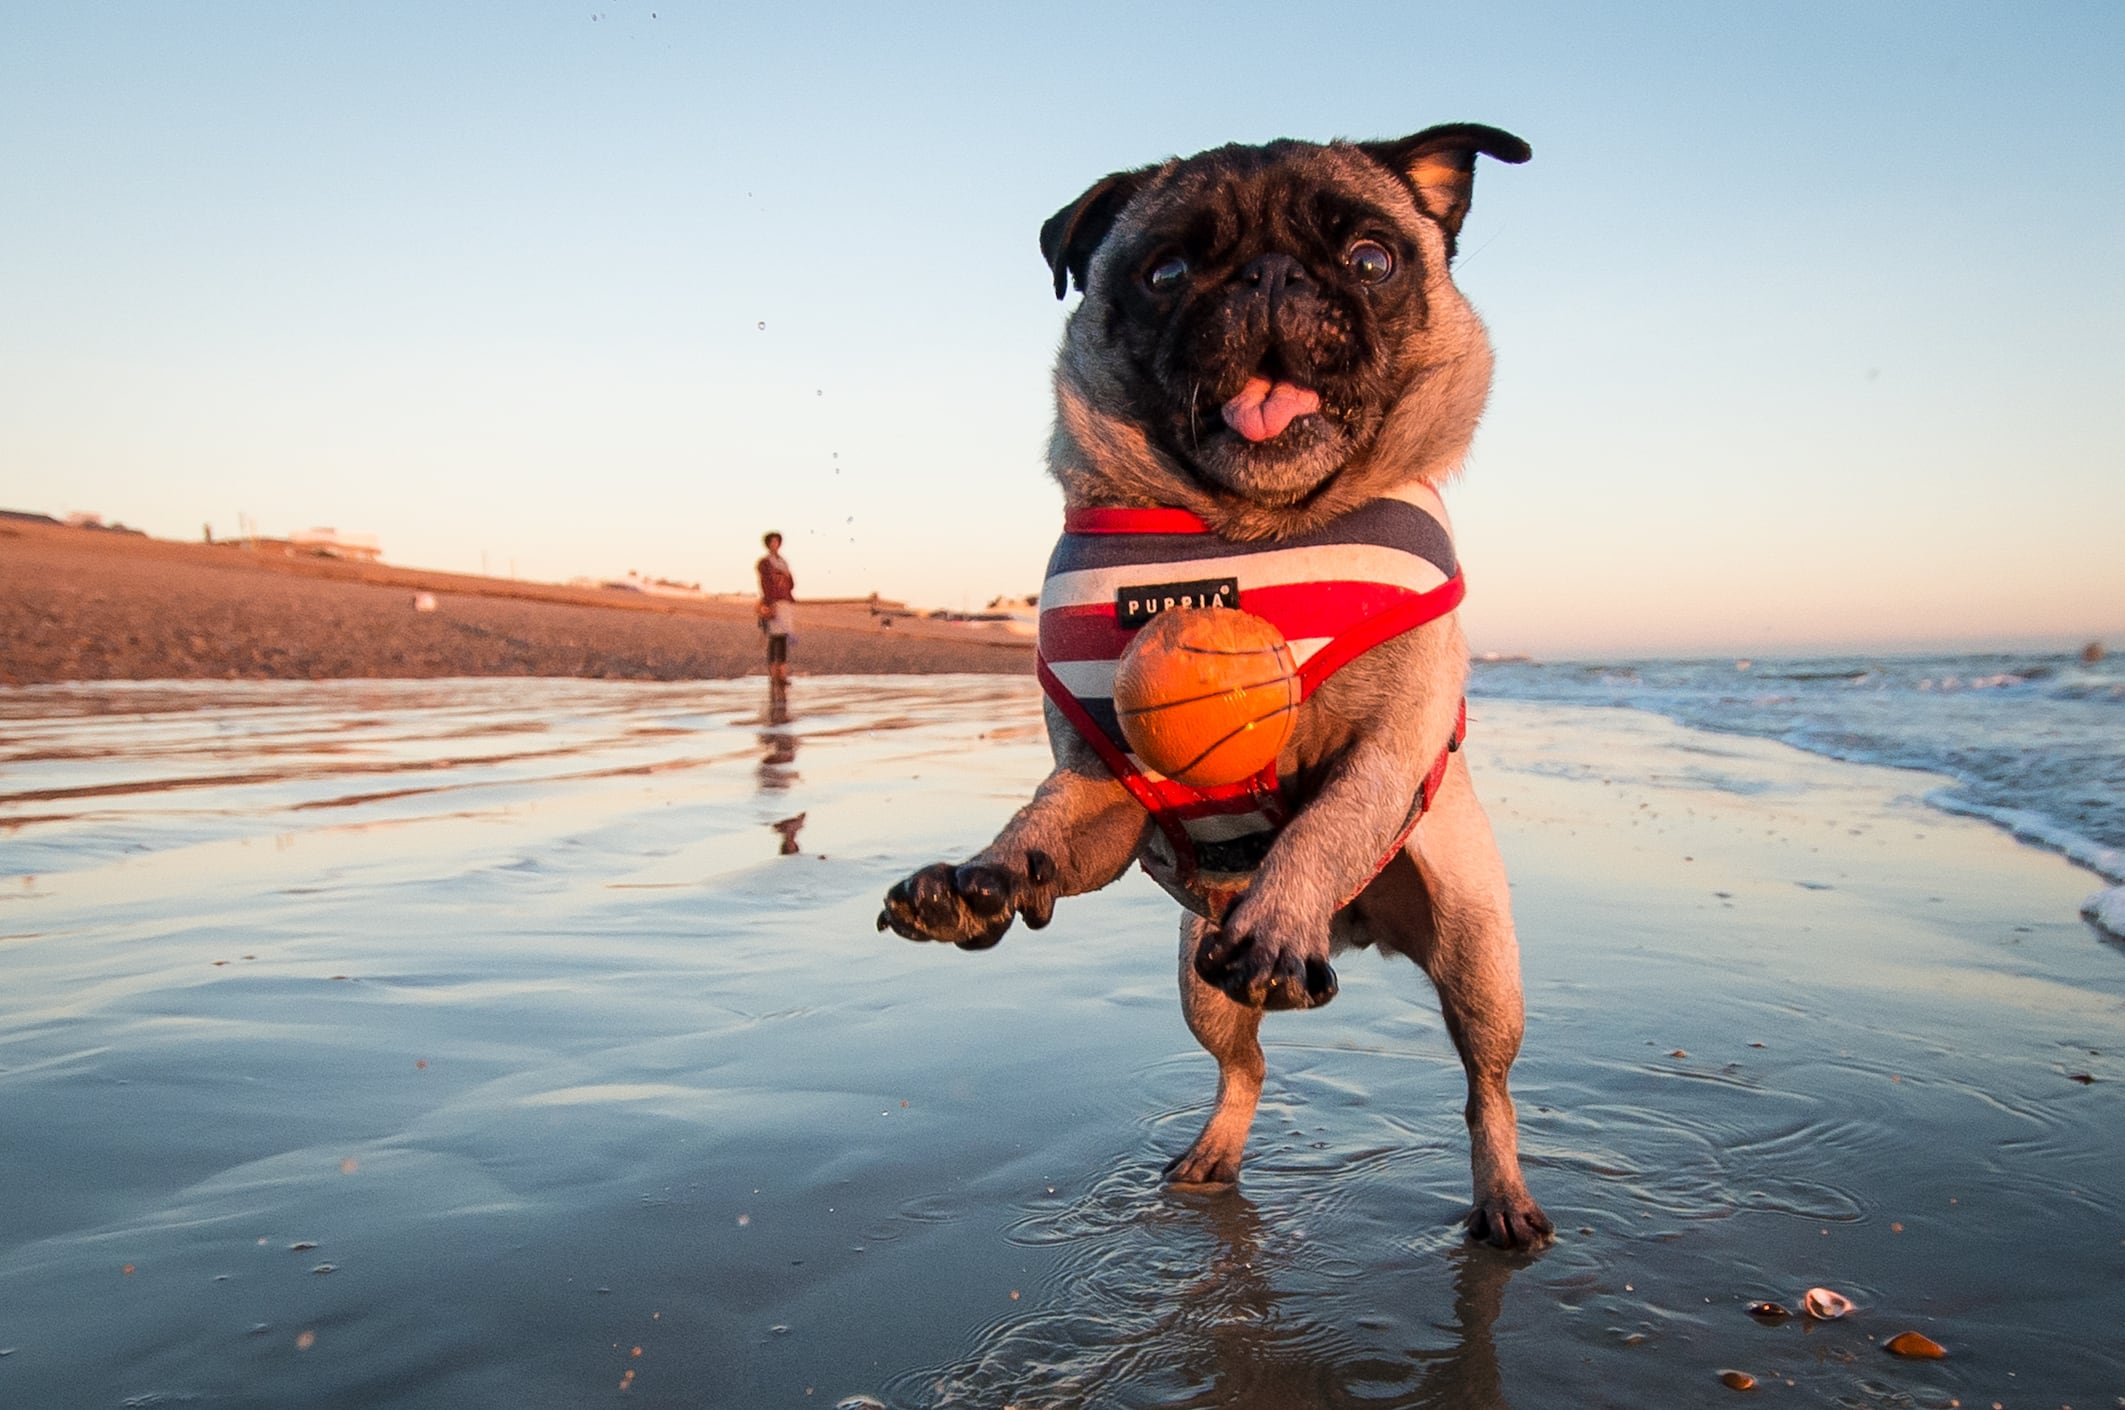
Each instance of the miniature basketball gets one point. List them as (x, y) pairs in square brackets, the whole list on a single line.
[(1207, 695)]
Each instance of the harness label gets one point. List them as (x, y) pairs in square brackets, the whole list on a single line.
[(1134, 606)]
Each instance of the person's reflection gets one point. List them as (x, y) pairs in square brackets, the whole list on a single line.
[(776, 775), (1260, 1352)]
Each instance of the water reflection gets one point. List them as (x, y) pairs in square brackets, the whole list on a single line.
[(1466, 1373), (780, 745), (1265, 1349), (1200, 1300)]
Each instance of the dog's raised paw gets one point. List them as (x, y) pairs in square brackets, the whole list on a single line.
[(1250, 971), (971, 905)]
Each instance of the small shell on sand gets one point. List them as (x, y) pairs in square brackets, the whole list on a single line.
[(1737, 1380), (1823, 1303), (1915, 1344), (1769, 1311)]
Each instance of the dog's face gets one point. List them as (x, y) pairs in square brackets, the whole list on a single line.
[(1269, 335)]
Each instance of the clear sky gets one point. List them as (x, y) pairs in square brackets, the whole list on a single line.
[(1810, 318)]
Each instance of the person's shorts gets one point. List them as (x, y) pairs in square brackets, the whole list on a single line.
[(780, 626)]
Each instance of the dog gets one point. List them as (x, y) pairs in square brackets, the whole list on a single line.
[(1269, 375)]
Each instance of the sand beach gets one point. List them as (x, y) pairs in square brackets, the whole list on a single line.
[(423, 1043), (86, 604)]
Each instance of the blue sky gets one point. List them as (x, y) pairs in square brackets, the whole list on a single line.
[(1807, 316)]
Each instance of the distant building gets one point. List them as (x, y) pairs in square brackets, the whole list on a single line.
[(88, 519), (331, 543), (655, 587)]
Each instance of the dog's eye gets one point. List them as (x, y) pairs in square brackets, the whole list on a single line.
[(1165, 274), (1370, 260)]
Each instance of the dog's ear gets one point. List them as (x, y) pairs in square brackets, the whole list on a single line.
[(1068, 237), (1440, 163)]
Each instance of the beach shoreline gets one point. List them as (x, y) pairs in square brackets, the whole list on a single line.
[(79, 604)]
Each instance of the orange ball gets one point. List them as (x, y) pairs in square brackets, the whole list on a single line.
[(1207, 695)]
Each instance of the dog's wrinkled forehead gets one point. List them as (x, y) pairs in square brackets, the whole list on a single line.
[(1262, 192), (1419, 185)]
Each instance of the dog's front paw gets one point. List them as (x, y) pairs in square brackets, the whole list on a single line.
[(1254, 968), (970, 905)]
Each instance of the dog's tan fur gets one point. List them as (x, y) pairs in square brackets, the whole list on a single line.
[(1362, 741)]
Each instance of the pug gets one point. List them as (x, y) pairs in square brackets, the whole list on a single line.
[(1269, 376)]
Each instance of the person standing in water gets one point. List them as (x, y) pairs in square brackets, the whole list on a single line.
[(778, 589)]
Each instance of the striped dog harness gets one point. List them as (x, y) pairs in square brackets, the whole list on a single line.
[(1383, 569)]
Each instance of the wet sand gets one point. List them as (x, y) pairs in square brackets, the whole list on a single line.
[(477, 1043), (80, 604)]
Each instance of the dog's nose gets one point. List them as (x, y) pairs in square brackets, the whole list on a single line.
[(1272, 274)]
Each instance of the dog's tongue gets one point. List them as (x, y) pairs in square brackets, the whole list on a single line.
[(1264, 408)]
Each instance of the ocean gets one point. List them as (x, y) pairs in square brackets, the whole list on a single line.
[(2033, 743)]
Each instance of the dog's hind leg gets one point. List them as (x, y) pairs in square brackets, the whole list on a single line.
[(1228, 1031), (1443, 902)]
